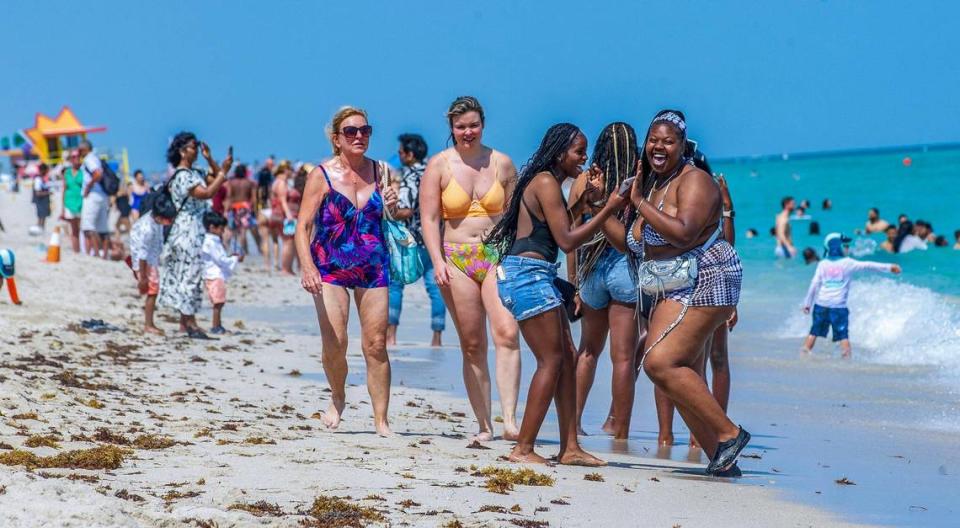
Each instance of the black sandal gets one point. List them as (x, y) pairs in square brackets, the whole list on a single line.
[(727, 452), (196, 333), (733, 472)]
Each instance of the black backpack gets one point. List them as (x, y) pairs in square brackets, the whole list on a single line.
[(109, 180)]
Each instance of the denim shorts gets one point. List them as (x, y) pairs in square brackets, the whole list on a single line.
[(526, 286), (825, 318), (609, 280)]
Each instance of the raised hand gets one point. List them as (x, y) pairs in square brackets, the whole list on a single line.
[(724, 192), (595, 184), (205, 151), (636, 193)]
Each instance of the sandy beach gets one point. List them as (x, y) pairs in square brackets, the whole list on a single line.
[(194, 433)]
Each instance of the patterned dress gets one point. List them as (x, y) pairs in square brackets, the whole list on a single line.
[(181, 284), (348, 246)]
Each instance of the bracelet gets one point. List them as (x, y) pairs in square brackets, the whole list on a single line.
[(728, 213), (598, 203)]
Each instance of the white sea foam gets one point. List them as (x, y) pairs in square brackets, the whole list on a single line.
[(896, 323)]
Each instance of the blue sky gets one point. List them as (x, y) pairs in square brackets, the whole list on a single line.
[(753, 77)]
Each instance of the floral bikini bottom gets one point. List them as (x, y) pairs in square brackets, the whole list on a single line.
[(474, 260)]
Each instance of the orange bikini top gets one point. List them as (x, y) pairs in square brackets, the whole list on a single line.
[(455, 203)]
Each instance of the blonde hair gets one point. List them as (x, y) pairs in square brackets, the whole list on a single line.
[(338, 118)]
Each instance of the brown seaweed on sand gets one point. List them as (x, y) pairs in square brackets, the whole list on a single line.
[(527, 523), (594, 477), (845, 482), (43, 441), (149, 441), (334, 512), (259, 509), (502, 480), (173, 495), (69, 378), (101, 457), (126, 495), (258, 440)]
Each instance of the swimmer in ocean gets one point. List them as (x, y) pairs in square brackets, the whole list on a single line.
[(785, 247)]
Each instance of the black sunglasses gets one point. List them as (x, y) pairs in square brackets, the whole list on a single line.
[(352, 131)]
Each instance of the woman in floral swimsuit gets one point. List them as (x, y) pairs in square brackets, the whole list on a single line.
[(344, 205)]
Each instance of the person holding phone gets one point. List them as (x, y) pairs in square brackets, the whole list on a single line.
[(607, 291), (533, 230), (181, 283), (679, 213)]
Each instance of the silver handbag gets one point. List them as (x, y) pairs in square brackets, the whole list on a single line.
[(659, 277)]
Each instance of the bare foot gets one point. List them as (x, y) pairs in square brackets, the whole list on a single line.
[(510, 432), (153, 330), (528, 458), (580, 458), (665, 440), (383, 428), (483, 436), (331, 418), (609, 426), (435, 342)]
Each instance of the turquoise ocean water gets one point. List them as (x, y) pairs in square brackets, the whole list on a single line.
[(909, 320)]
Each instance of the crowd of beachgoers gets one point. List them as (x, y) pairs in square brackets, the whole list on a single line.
[(646, 226)]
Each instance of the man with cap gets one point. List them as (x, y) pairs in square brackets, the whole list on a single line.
[(828, 292)]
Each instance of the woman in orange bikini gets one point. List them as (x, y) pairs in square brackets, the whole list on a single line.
[(467, 186)]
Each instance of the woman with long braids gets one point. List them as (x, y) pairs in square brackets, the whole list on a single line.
[(181, 283), (343, 205), (467, 186), (531, 233), (679, 210), (607, 290)]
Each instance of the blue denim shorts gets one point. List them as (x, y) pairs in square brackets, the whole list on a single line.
[(526, 286), (825, 318), (609, 280)]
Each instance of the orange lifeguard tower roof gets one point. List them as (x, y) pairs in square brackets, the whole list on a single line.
[(45, 128), (65, 124)]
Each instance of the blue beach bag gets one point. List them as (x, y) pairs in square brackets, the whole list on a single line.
[(405, 264)]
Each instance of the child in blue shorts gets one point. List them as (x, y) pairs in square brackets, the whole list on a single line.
[(829, 290)]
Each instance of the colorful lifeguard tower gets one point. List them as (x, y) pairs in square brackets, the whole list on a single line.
[(48, 139)]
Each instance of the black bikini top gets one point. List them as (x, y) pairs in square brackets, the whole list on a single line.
[(539, 241)]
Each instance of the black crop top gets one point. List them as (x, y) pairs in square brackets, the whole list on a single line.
[(539, 241)]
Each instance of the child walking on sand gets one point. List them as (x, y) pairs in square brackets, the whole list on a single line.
[(829, 289), (217, 266), (146, 244)]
